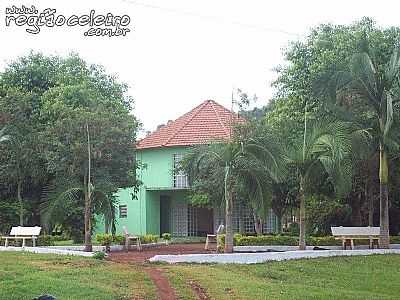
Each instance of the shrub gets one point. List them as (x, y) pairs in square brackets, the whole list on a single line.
[(395, 239), (45, 240), (166, 236), (99, 255), (119, 239), (267, 240), (221, 241), (104, 239), (149, 238)]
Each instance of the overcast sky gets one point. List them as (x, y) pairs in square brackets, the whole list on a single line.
[(181, 52)]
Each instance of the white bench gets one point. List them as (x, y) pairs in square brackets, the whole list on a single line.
[(129, 237), (348, 234), (23, 233), (214, 237)]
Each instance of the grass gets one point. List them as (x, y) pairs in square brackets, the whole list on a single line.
[(363, 277), (27, 275)]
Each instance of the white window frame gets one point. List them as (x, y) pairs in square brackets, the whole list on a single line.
[(179, 178)]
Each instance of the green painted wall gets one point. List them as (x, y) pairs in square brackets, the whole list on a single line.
[(153, 212), (159, 161), (144, 213)]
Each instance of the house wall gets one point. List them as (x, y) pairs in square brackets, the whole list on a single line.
[(156, 175), (153, 212), (158, 166)]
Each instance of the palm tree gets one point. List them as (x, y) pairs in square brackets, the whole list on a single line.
[(62, 194), (241, 166), (323, 149), (369, 83)]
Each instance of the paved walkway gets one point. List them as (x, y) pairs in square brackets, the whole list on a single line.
[(253, 258), (48, 250)]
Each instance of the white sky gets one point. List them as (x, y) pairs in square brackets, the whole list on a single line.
[(181, 52)]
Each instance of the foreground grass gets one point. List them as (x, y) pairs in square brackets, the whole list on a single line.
[(27, 275), (368, 277)]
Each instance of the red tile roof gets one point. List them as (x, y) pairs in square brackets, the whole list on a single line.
[(206, 122)]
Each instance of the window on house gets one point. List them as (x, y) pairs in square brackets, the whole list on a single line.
[(180, 178), (123, 211)]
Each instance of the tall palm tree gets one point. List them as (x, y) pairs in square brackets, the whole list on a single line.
[(239, 167), (375, 85), (323, 150)]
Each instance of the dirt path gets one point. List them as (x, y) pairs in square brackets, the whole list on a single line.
[(164, 289)]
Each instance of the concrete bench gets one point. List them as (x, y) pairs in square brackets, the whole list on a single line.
[(23, 233), (130, 237), (348, 234)]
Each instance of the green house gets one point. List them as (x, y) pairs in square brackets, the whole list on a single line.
[(161, 205)]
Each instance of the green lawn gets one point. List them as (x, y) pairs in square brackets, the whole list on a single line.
[(368, 277), (26, 275)]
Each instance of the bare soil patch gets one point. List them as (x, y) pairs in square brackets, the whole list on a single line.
[(201, 293), (141, 256)]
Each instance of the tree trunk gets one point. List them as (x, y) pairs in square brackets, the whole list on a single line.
[(258, 224), (21, 203), (384, 240), (229, 228), (228, 212), (302, 217), (88, 199), (88, 223)]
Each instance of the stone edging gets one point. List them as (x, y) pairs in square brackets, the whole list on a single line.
[(253, 258)]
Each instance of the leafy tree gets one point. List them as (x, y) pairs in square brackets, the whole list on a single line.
[(94, 135), (369, 82), (328, 49), (62, 114), (21, 162)]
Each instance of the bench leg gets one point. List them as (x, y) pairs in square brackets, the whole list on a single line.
[(206, 246), (6, 243), (352, 244), (344, 244), (376, 242), (138, 245), (34, 242), (23, 243), (126, 244)]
